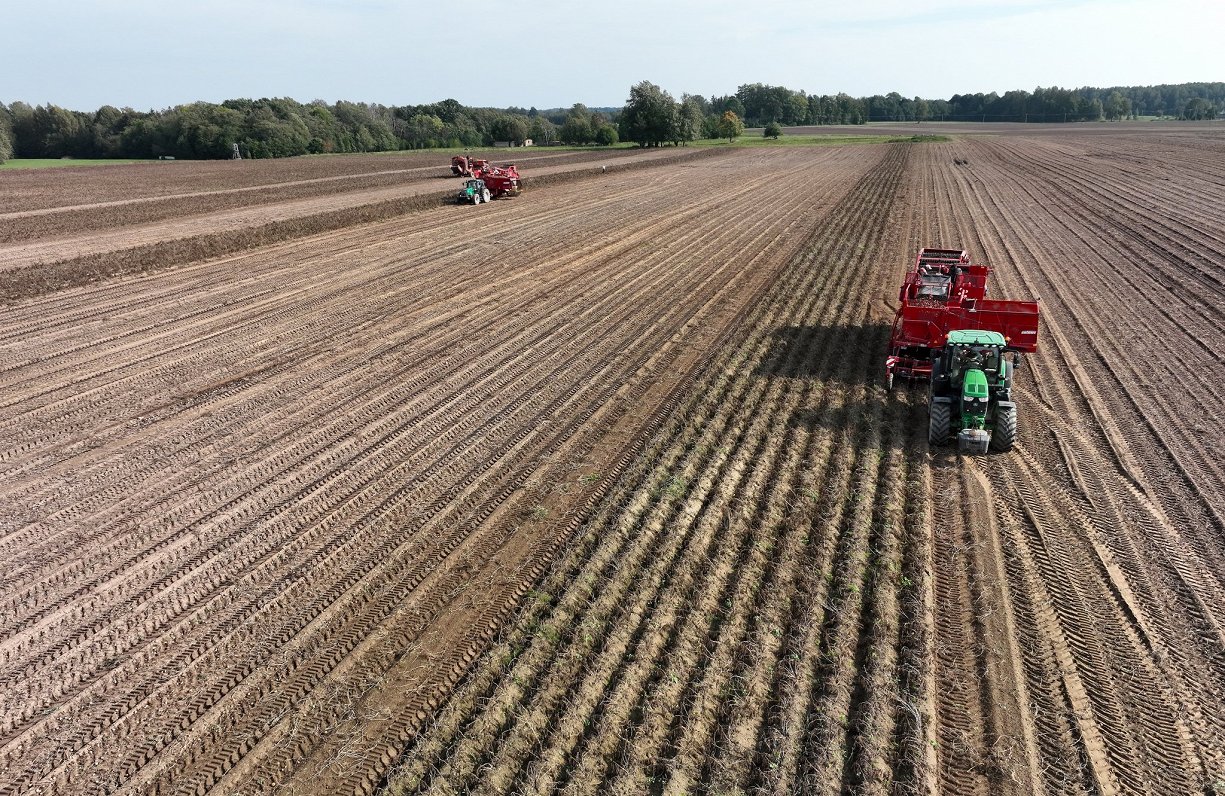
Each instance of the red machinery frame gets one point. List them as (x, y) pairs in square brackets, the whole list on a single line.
[(944, 292)]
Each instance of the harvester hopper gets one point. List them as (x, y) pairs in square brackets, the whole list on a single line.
[(945, 292)]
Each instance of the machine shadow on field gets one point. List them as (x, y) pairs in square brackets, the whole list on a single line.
[(849, 358), (850, 354)]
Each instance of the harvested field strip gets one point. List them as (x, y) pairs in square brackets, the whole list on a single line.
[(1181, 307), (1092, 571), (34, 194), (369, 467), (72, 220), (726, 584), (1145, 422), (43, 266)]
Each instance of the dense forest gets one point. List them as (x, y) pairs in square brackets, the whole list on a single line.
[(759, 104), (284, 127)]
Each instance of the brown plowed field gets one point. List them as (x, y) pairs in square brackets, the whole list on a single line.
[(105, 208), (597, 490)]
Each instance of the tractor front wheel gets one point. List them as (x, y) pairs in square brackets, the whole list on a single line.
[(941, 418), (1005, 432)]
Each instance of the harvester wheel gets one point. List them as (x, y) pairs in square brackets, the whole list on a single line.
[(1005, 432), (941, 417)]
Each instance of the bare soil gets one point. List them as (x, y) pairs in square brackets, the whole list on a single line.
[(598, 490)]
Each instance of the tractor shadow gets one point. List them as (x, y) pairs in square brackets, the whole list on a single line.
[(850, 359), (849, 354)]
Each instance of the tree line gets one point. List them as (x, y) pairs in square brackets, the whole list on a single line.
[(282, 127), (263, 128), (760, 104)]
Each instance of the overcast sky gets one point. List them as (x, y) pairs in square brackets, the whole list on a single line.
[(151, 54)]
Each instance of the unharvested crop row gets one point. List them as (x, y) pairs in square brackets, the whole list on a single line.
[(473, 418), (512, 339), (759, 235)]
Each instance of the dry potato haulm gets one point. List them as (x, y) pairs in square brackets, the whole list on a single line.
[(312, 481)]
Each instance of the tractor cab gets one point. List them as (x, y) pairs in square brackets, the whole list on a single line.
[(978, 355)]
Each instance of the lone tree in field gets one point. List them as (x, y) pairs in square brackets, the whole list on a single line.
[(773, 130), (730, 126), (650, 115)]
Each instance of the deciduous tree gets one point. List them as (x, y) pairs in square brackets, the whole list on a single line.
[(689, 119), (509, 127), (606, 135), (1199, 108), (576, 129), (1116, 106), (649, 117), (424, 130), (6, 134), (542, 131), (730, 126)]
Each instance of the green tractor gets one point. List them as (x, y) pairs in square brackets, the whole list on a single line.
[(971, 393), (473, 193)]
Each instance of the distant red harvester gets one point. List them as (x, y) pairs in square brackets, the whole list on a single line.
[(464, 166), (501, 180), (945, 292)]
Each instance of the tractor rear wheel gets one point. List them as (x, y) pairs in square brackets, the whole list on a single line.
[(941, 418), (1005, 432)]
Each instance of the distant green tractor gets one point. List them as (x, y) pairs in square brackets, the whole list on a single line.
[(971, 393), (473, 193)]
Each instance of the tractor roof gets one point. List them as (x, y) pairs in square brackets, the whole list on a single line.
[(975, 337)]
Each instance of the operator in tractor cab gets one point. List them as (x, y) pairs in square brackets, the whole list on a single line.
[(966, 359)]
